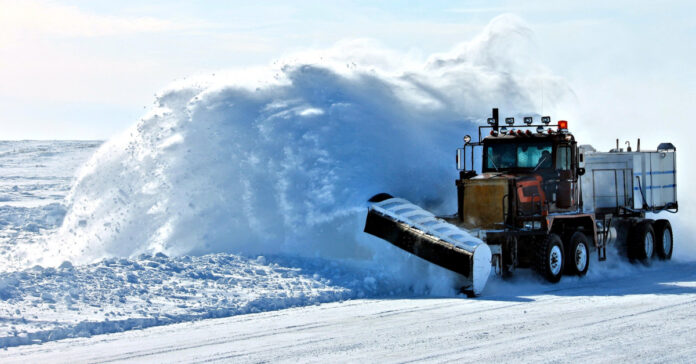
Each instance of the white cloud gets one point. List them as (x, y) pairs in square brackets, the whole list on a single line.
[(26, 18), (479, 10)]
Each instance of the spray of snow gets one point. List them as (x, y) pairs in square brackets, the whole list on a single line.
[(280, 160)]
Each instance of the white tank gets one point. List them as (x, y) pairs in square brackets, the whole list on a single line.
[(628, 179)]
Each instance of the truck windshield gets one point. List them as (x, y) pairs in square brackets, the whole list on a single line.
[(518, 155)]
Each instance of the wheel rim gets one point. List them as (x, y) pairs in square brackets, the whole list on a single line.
[(649, 245), (580, 257), (555, 260), (667, 241)]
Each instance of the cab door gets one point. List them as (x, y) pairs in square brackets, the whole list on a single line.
[(565, 193)]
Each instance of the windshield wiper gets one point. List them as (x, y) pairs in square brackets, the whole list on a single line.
[(493, 163), (543, 159)]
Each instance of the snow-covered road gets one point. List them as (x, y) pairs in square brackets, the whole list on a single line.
[(646, 317)]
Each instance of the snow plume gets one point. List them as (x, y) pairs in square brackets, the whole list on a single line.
[(282, 159)]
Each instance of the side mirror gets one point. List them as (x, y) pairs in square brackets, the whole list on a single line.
[(581, 171), (461, 159)]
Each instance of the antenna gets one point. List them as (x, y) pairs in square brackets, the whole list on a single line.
[(495, 117)]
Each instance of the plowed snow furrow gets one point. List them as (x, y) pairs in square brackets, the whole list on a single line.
[(648, 317)]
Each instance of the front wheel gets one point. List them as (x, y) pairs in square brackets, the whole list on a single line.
[(549, 258), (578, 255)]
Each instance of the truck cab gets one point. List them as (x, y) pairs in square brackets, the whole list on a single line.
[(531, 174), (545, 165)]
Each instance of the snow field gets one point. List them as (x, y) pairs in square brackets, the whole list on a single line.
[(36, 173), (648, 316), (118, 294), (21, 229), (35, 177)]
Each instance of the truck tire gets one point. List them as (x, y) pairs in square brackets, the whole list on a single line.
[(641, 245), (577, 260), (549, 258), (664, 240)]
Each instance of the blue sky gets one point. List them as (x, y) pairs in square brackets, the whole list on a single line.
[(88, 69)]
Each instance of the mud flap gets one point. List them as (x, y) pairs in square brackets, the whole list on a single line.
[(419, 232)]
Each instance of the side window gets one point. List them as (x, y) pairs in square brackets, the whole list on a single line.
[(563, 158)]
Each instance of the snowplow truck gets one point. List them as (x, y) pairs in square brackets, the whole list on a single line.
[(540, 201)]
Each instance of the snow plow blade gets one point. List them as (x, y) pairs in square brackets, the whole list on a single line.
[(419, 232)]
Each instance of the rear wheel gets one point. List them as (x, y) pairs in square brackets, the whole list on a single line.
[(642, 242), (664, 240), (549, 258), (577, 255)]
